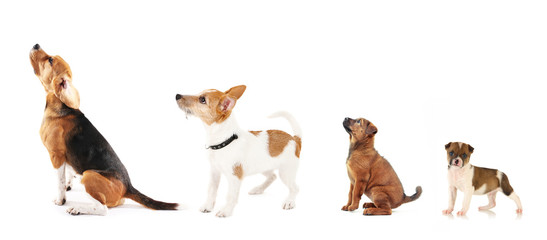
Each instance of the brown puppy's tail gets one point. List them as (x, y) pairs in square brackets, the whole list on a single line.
[(413, 197), (137, 196)]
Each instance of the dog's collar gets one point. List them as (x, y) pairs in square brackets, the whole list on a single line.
[(223, 144)]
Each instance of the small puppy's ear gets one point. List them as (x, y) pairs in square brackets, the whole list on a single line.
[(66, 92), (236, 91), (226, 104), (446, 146), (371, 129), (470, 148)]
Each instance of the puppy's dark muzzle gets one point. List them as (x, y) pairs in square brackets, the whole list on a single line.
[(347, 122)]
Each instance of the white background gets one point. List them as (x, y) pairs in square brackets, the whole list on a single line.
[(424, 72)]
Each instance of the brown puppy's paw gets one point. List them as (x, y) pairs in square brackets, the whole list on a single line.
[(345, 207), (377, 211), (369, 205), (353, 207)]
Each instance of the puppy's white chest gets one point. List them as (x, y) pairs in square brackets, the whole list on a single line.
[(460, 178)]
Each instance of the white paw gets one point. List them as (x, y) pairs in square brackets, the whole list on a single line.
[(225, 212), (289, 205), (206, 208), (73, 211), (256, 191), (59, 202)]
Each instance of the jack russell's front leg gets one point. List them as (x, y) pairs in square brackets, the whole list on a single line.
[(234, 184), (212, 192), (467, 194)]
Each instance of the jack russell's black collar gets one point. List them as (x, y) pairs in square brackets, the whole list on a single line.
[(223, 144)]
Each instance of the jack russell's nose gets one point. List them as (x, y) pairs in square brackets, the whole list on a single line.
[(178, 96)]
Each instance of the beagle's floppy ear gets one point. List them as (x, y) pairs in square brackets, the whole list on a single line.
[(371, 129), (236, 91), (65, 91)]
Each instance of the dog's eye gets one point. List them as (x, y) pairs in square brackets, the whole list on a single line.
[(359, 121), (202, 100), (464, 156), (451, 154), (50, 59)]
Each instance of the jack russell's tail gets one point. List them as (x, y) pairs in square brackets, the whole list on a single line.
[(297, 131), (413, 197)]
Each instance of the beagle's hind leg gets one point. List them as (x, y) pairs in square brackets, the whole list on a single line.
[(105, 191)]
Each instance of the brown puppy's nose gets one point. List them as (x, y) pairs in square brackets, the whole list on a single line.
[(178, 96), (36, 47)]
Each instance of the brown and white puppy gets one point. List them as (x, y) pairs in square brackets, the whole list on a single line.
[(237, 153), (370, 173), (75, 146), (472, 180)]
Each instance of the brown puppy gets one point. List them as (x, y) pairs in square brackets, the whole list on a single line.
[(370, 173), (75, 146)]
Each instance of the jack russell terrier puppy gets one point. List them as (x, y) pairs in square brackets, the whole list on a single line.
[(370, 173), (75, 146), (472, 180), (237, 153)]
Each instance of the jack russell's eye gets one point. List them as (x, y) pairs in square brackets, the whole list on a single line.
[(451, 154), (202, 100), (464, 156)]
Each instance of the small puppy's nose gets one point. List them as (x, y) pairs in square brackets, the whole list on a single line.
[(178, 96), (36, 47)]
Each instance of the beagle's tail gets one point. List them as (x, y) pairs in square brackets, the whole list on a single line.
[(294, 124), (148, 202), (414, 196)]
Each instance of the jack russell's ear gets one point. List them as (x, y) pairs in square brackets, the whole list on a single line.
[(470, 148), (66, 92), (236, 91), (226, 104), (446, 146)]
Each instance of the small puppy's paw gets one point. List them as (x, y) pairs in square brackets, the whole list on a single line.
[(59, 202), (369, 205), (462, 213), (447, 211), (519, 211), (73, 211), (289, 205)]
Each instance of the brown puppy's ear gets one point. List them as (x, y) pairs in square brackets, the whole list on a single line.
[(66, 92), (236, 91), (446, 146), (371, 129), (470, 148)]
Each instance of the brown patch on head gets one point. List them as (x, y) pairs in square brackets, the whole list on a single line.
[(56, 76), (211, 106), (360, 130), (255, 132), (237, 170), (107, 190), (458, 153)]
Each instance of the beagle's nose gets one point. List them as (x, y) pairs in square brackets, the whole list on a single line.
[(36, 47), (178, 96)]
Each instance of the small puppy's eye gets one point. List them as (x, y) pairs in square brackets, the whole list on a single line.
[(50, 59), (359, 121), (202, 100), (464, 155), (451, 154)]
